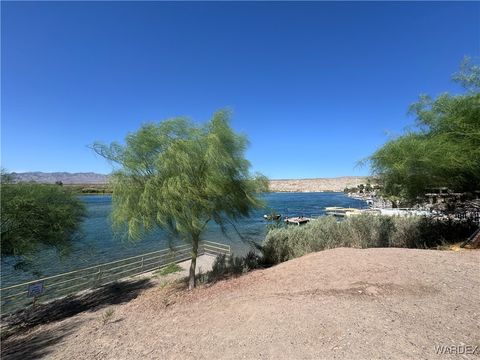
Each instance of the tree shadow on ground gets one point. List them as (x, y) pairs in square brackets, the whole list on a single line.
[(111, 294), (38, 346)]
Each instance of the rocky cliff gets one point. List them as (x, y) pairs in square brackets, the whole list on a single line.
[(316, 185), (64, 177)]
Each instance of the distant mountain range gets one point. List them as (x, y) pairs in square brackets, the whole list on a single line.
[(284, 185), (64, 177)]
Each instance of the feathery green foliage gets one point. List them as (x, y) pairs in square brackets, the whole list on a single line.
[(35, 215), (443, 149), (180, 176), (233, 266)]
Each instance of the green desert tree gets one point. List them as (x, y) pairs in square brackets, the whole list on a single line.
[(180, 176), (35, 216), (443, 149)]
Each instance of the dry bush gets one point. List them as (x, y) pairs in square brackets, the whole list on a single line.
[(364, 231)]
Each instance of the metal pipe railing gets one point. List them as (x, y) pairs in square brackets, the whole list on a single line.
[(15, 296)]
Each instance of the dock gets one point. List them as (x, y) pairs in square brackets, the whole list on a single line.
[(340, 211), (299, 220)]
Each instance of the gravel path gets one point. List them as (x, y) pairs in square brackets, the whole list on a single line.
[(335, 304)]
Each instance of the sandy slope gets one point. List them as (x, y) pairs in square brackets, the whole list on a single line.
[(342, 303), (316, 185)]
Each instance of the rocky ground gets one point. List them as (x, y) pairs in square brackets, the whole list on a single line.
[(316, 185), (341, 303)]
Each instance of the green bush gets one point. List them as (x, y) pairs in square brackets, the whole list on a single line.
[(169, 269), (219, 268), (363, 231), (251, 261), (234, 265), (36, 216)]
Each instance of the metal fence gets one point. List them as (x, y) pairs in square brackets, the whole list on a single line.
[(21, 295)]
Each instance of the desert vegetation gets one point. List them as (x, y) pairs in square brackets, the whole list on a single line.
[(180, 177), (36, 216), (363, 231)]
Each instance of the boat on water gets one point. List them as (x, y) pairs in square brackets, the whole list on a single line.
[(271, 217)]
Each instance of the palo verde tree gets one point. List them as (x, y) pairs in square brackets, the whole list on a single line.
[(35, 216), (180, 176), (442, 150)]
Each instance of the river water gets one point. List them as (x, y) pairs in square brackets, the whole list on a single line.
[(96, 243)]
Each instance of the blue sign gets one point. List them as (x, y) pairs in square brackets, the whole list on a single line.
[(35, 289)]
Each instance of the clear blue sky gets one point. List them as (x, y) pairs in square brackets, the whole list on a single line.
[(315, 86)]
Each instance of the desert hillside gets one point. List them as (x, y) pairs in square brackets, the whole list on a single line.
[(280, 185), (342, 303), (316, 185), (64, 177)]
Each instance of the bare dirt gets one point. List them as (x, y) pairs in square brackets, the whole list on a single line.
[(335, 304)]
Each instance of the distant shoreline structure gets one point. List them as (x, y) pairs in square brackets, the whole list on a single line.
[(336, 184)]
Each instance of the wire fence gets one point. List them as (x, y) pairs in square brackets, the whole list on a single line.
[(48, 288)]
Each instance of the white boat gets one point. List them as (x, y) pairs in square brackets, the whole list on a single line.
[(340, 211), (272, 217)]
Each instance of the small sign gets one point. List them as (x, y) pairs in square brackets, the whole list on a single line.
[(35, 289)]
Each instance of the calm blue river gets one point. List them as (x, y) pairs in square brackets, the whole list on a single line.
[(96, 243)]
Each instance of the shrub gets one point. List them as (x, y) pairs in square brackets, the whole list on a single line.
[(407, 232), (107, 316), (169, 269), (219, 267), (234, 265), (362, 231), (251, 261)]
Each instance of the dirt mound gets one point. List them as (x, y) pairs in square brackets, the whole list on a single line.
[(342, 303)]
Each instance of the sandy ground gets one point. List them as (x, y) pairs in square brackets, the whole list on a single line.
[(335, 304), (204, 265)]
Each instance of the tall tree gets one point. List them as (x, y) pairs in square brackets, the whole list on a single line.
[(180, 176), (443, 149), (35, 216)]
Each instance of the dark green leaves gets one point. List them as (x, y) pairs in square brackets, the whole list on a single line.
[(34, 215), (443, 150)]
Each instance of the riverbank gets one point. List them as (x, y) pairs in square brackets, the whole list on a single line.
[(97, 243), (340, 303)]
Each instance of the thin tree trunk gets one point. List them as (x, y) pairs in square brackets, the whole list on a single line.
[(191, 276)]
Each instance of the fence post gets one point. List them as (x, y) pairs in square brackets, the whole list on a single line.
[(97, 276)]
